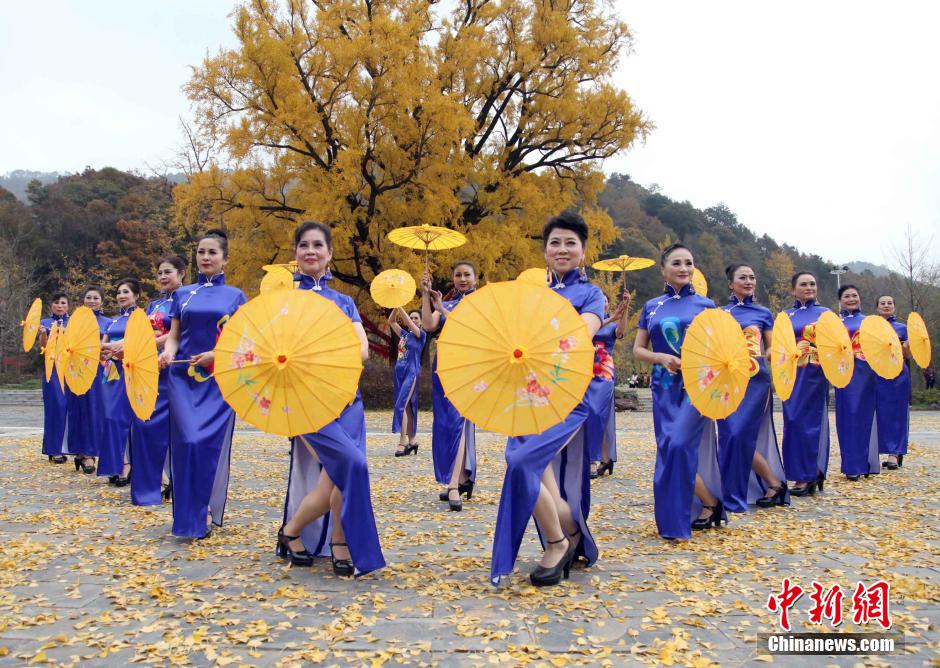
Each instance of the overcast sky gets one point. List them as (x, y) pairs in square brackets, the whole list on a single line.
[(816, 122)]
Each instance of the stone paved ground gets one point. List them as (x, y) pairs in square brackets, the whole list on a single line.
[(88, 579)]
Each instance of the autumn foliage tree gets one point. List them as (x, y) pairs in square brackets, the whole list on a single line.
[(375, 114)]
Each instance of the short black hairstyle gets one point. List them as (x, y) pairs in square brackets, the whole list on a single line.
[(795, 277), (848, 286), (566, 220), (130, 282), (732, 269), (56, 296), (668, 250), (93, 288), (308, 225), (220, 236)]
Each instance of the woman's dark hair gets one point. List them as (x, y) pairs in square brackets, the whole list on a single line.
[(796, 277), (466, 263), (566, 220), (221, 238), (848, 286), (56, 296), (132, 283), (668, 250), (732, 269), (175, 261), (308, 225), (880, 297), (93, 288)]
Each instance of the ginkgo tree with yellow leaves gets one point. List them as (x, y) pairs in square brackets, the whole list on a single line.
[(484, 116)]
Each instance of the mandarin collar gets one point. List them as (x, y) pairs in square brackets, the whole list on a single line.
[(684, 291), (126, 311), (806, 304), (890, 318), (217, 279), (845, 313), (307, 282), (734, 301), (570, 278)]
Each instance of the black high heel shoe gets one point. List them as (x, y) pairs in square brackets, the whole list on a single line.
[(78, 463), (113, 479), (714, 518), (123, 481), (778, 498), (457, 505), (803, 489), (167, 492), (462, 488), (341, 567), (58, 459), (900, 461), (544, 576), (409, 449), (853, 478), (297, 558), (820, 482), (82, 462), (607, 467)]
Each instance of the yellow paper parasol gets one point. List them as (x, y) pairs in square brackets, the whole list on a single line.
[(49, 351), (835, 349), (427, 238), (537, 276), (30, 324), (289, 266), (783, 356), (919, 339), (141, 371), (623, 263), (81, 350), (288, 362), (278, 277), (515, 358), (881, 346), (392, 288), (715, 363), (699, 284)]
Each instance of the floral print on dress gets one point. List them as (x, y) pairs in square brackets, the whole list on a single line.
[(857, 345), (604, 368), (806, 346)]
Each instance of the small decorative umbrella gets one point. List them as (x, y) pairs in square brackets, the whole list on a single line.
[(515, 358), (881, 346), (427, 238), (49, 351), (699, 283), (623, 263), (288, 362), (919, 339), (716, 363), (278, 277), (835, 349), (30, 324), (392, 288), (81, 350), (784, 356), (141, 370)]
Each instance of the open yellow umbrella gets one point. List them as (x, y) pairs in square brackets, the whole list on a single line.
[(783, 356), (881, 346), (49, 351), (623, 263), (30, 324), (715, 363), (81, 350), (141, 370), (427, 238), (919, 339), (392, 288), (278, 277), (835, 349), (288, 362), (289, 266), (537, 276), (515, 358), (699, 283)]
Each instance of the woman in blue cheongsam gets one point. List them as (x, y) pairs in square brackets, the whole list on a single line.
[(114, 455), (328, 507), (86, 411), (855, 403), (407, 376), (806, 412), (751, 467), (893, 397), (548, 474), (686, 481), (150, 440), (201, 423), (453, 437), (600, 429), (55, 398)]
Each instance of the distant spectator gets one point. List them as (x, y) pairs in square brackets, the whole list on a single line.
[(930, 378)]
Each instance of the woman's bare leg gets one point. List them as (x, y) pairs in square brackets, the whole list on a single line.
[(314, 505), (704, 495), (459, 473), (339, 536)]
